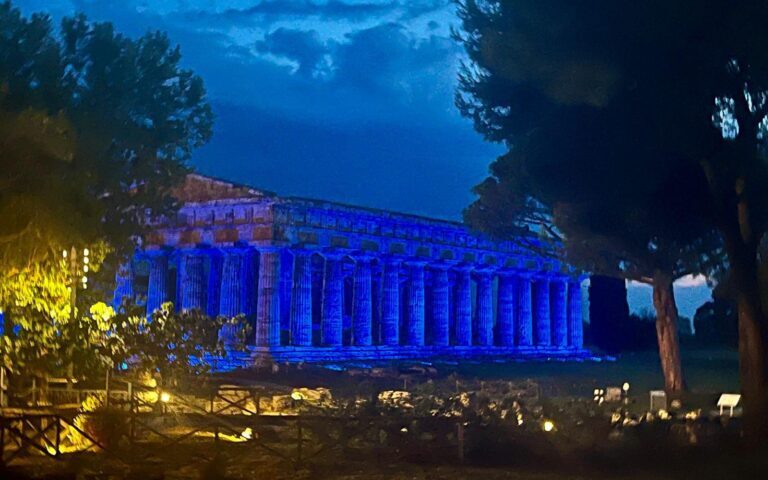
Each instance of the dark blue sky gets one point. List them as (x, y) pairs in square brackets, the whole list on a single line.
[(346, 100)]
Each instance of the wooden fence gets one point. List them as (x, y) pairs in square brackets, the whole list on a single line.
[(231, 414)]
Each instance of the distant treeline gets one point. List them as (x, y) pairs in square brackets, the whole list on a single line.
[(613, 329)]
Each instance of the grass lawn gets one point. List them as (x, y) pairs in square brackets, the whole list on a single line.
[(707, 371)]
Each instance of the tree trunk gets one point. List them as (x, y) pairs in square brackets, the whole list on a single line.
[(752, 360), (666, 334)]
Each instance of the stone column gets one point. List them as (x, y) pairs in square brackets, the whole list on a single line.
[(192, 285), (333, 288), (524, 315), (390, 303), (505, 310), (213, 297), (231, 285), (268, 310), (483, 331), (233, 278), (362, 306), (558, 311), (250, 297), (541, 312), (575, 322), (440, 306), (463, 306), (157, 291), (415, 333), (301, 300), (123, 284)]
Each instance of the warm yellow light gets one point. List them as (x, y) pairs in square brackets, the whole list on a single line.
[(85, 279), (85, 268), (247, 433), (86, 260), (165, 397), (64, 254), (297, 396), (86, 252), (625, 387), (548, 426)]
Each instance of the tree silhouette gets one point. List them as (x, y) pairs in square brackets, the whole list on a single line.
[(95, 130), (640, 125)]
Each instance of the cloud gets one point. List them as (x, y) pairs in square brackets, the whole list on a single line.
[(342, 99), (306, 48), (355, 11), (691, 281)]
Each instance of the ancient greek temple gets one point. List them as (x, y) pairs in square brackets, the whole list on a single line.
[(324, 281)]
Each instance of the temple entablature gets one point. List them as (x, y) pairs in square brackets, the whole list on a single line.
[(317, 277)]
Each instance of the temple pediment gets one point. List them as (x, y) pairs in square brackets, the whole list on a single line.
[(199, 188)]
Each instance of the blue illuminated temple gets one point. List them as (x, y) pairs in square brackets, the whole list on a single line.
[(322, 281)]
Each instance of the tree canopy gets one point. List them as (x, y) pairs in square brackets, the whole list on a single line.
[(639, 127), (95, 130), (109, 123)]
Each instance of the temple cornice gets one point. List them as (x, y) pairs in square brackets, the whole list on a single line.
[(313, 275)]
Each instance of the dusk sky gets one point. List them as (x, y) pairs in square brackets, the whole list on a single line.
[(345, 100)]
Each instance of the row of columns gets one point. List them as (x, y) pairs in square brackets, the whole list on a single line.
[(531, 310)]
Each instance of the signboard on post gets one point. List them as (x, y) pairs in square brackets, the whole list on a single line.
[(658, 400), (728, 400)]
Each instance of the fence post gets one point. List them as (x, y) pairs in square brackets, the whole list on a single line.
[(34, 391), (58, 435), (106, 389), (2, 441), (460, 438), (131, 410), (2, 387), (300, 439)]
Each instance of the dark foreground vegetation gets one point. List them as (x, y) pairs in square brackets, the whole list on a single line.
[(413, 420)]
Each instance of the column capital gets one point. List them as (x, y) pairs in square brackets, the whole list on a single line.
[(300, 251), (335, 254), (234, 250), (463, 267), (363, 257), (559, 277), (483, 272), (155, 252), (416, 262), (269, 248), (507, 273), (441, 265), (196, 250), (391, 260), (526, 274)]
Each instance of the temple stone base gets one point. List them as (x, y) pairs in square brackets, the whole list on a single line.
[(291, 354)]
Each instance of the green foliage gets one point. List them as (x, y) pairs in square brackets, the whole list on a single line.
[(173, 344), (594, 132), (95, 130)]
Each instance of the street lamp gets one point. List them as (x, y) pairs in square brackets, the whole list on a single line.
[(78, 271)]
